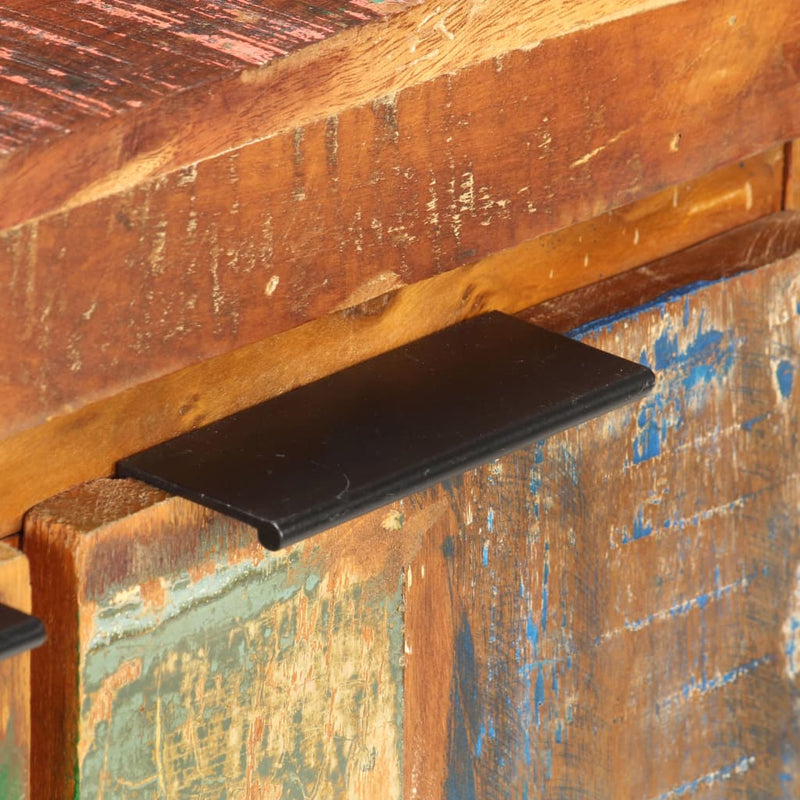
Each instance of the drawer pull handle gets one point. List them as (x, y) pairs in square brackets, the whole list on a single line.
[(328, 451), (18, 632)]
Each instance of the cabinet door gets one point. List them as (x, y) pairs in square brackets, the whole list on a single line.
[(614, 612)]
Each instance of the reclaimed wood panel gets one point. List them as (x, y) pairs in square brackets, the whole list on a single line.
[(744, 248), (610, 613), (87, 442), (100, 96), (614, 613), (15, 694), (185, 661), (104, 92), (230, 250)]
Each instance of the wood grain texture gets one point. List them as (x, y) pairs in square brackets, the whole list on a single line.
[(228, 251), (15, 694), (103, 92), (97, 97), (744, 248), (189, 662), (555, 643), (86, 443), (614, 613)]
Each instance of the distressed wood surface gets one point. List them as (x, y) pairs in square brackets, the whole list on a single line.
[(15, 696), (225, 252), (614, 612), (554, 643), (99, 96), (185, 661), (86, 443), (104, 94), (744, 248)]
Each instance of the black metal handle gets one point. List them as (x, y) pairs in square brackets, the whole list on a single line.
[(18, 631), (336, 448)]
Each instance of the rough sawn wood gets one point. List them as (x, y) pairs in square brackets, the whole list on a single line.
[(167, 271), (86, 442), (554, 641)]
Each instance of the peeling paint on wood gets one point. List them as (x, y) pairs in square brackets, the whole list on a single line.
[(615, 610), (402, 182), (97, 59), (612, 612), (99, 96), (279, 687), (207, 667)]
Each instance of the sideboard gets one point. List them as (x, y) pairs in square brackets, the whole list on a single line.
[(207, 206)]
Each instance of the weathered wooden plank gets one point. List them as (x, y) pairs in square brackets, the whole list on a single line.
[(554, 642), (92, 89), (225, 252), (15, 718), (186, 661), (86, 443), (615, 612), (97, 97), (744, 248)]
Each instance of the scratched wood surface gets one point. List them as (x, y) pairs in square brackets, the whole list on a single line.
[(178, 268), (98, 96), (103, 86), (185, 661), (614, 612), (610, 613), (86, 443), (15, 715), (744, 248)]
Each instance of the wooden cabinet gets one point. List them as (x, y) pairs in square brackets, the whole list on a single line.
[(609, 613), (206, 208)]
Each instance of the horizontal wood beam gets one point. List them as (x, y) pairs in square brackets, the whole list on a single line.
[(98, 97), (747, 247), (87, 442), (220, 254)]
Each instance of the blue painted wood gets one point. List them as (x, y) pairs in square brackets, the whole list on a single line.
[(612, 612), (621, 603)]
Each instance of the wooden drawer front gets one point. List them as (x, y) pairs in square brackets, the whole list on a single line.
[(615, 612), (610, 613)]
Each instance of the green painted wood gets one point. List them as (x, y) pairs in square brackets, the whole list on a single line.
[(206, 667), (611, 613)]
